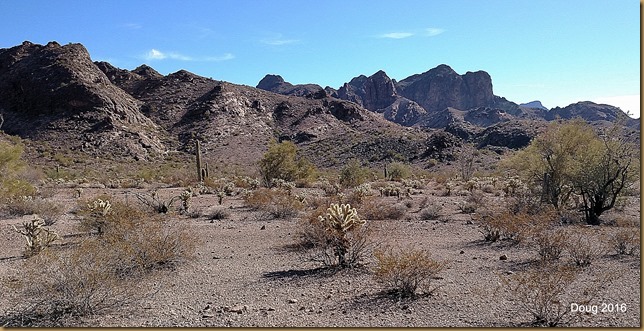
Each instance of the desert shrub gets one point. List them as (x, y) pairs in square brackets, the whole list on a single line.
[(48, 211), (431, 211), (278, 202), (404, 271), (398, 171), (625, 241), (61, 286), (280, 162), (551, 244), (504, 225), (474, 200), (155, 202), (376, 209), (582, 248), (353, 174), (542, 292), (335, 236), (219, 214), (37, 237)]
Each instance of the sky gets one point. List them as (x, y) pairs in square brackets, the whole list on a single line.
[(556, 51)]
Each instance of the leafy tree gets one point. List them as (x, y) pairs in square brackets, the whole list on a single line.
[(570, 158)]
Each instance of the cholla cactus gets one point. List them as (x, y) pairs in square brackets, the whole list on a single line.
[(338, 221), (38, 238), (363, 190), (280, 183), (100, 207), (185, 197)]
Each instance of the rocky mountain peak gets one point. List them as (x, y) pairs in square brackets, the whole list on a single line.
[(270, 82), (58, 93)]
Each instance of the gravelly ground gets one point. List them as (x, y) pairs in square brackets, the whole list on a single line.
[(246, 275)]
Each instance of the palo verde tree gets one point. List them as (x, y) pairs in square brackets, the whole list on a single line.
[(571, 158), (281, 162)]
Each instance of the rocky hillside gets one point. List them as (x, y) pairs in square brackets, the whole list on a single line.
[(58, 98), (57, 95)]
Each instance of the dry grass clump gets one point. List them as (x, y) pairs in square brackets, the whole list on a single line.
[(100, 272), (430, 210), (504, 225), (48, 211), (277, 202), (373, 208), (625, 241), (542, 292), (404, 271), (583, 249), (551, 244)]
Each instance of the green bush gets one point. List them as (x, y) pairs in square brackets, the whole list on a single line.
[(281, 162), (353, 174), (398, 171)]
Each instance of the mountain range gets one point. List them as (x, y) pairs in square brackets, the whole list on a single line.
[(57, 96)]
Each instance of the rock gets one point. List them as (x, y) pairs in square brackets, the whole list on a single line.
[(462, 252), (263, 227), (503, 257), (292, 301)]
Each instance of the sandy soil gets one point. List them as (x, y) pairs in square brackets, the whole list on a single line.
[(246, 274)]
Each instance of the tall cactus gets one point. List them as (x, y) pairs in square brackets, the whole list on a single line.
[(200, 172)]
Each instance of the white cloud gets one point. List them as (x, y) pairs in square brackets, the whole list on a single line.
[(225, 57), (430, 32), (278, 40), (396, 35), (132, 26), (628, 103), (155, 54)]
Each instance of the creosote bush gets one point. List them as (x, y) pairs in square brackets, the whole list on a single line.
[(100, 273), (353, 174), (277, 202), (542, 292), (281, 162), (404, 271)]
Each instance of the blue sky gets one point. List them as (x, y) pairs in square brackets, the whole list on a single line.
[(559, 51)]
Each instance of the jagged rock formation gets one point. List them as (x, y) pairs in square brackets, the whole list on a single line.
[(534, 104), (276, 84), (57, 94), (442, 87)]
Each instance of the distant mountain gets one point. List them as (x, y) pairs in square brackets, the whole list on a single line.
[(56, 96), (534, 104), (276, 84)]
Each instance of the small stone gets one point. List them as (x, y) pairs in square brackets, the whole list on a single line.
[(469, 222), (462, 252), (263, 227), (510, 272), (292, 301), (503, 257)]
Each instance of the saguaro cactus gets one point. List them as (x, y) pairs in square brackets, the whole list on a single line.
[(202, 172)]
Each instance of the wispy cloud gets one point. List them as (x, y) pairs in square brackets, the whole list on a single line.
[(396, 35), (430, 32), (278, 40), (225, 57), (132, 26), (155, 54)]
